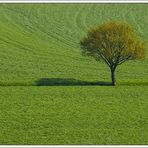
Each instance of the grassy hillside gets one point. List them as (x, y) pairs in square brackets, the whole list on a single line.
[(42, 41), (39, 45)]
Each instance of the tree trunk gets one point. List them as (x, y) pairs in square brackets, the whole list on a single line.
[(113, 77)]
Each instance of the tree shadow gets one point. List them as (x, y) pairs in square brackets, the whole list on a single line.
[(67, 82)]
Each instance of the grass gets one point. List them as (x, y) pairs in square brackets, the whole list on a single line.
[(51, 94), (74, 115)]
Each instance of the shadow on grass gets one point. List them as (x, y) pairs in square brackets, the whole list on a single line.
[(67, 82)]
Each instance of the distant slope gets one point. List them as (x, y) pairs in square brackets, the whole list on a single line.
[(42, 40)]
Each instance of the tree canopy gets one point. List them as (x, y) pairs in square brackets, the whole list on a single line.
[(114, 43)]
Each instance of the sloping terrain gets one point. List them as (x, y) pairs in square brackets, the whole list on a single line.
[(42, 40)]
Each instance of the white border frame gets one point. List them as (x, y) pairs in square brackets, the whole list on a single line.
[(73, 1), (74, 146)]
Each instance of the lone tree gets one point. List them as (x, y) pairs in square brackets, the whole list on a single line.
[(114, 43)]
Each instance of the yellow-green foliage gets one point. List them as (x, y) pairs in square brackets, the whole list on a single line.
[(114, 42)]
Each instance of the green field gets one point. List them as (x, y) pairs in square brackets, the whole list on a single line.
[(51, 94)]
